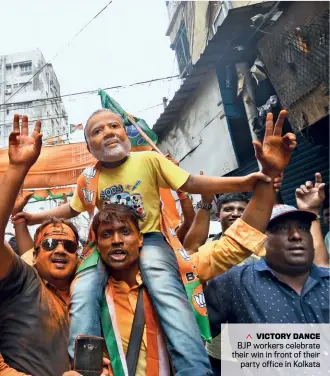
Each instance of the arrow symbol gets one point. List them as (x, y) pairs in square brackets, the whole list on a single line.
[(248, 336)]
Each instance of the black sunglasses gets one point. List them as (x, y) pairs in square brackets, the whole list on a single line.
[(51, 244)]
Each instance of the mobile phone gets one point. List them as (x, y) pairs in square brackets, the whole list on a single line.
[(88, 355)]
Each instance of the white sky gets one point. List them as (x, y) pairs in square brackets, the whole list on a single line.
[(125, 44)]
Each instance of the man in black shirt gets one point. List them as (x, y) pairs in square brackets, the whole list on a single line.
[(34, 322)]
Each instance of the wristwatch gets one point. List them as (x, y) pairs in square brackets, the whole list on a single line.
[(200, 205)]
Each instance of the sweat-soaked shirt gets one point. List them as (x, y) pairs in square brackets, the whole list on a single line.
[(34, 323)]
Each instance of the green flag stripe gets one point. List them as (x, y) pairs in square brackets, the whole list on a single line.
[(135, 138), (202, 321), (110, 339)]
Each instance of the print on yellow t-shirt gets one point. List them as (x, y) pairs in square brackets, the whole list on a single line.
[(136, 183)]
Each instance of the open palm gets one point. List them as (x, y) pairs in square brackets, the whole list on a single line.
[(23, 149), (275, 152)]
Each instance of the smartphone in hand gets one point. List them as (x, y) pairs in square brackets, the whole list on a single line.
[(88, 355)]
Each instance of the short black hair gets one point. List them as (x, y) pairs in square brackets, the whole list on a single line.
[(116, 213), (232, 197), (55, 221)]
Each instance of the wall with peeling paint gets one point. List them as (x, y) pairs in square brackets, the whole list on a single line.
[(199, 138)]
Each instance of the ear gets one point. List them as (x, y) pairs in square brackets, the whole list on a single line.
[(35, 256), (140, 240)]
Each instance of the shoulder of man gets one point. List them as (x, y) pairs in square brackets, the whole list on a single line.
[(233, 273), (322, 271), (20, 277)]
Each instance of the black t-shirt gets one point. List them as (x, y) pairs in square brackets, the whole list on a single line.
[(34, 324)]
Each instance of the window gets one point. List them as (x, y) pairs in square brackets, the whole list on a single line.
[(181, 46), (26, 67), (8, 66), (8, 86), (16, 86)]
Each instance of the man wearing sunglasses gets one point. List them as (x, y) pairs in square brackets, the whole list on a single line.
[(34, 319)]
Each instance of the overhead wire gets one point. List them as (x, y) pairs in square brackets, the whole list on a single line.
[(56, 55), (93, 91)]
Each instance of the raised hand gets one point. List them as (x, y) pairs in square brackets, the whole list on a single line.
[(23, 149), (20, 202), (275, 152), (310, 197)]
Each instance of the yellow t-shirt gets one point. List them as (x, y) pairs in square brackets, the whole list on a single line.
[(136, 183)]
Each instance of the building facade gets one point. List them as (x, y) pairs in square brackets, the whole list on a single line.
[(232, 75), (34, 98), (195, 124)]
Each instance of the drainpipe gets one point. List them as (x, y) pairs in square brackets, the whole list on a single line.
[(248, 96)]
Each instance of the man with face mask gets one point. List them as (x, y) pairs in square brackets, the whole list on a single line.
[(134, 180)]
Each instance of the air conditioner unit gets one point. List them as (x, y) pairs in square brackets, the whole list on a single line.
[(8, 91)]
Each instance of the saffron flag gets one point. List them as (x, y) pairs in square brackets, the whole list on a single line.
[(137, 141), (75, 127)]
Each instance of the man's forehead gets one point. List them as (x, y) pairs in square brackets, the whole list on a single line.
[(116, 224), (234, 203), (104, 117), (60, 229)]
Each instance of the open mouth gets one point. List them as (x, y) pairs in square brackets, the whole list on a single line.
[(60, 263), (118, 255)]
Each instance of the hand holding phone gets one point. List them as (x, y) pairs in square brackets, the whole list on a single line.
[(88, 355)]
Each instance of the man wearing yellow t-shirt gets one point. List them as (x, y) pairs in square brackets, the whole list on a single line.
[(134, 179)]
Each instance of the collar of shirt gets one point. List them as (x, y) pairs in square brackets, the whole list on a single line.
[(316, 272), (122, 285), (55, 291)]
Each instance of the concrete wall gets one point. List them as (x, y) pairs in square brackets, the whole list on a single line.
[(238, 4), (44, 85), (199, 138), (198, 17)]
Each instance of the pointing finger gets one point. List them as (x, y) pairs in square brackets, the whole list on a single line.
[(269, 125), (16, 123), (37, 128), (318, 178), (280, 122), (25, 126)]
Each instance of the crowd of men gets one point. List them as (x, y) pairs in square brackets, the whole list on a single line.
[(266, 256)]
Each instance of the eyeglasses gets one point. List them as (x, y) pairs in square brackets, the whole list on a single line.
[(51, 244)]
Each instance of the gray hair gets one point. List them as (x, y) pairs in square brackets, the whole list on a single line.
[(98, 112)]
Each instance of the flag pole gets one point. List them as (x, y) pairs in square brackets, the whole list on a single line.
[(146, 137)]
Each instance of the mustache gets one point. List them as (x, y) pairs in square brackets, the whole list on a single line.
[(111, 139)]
